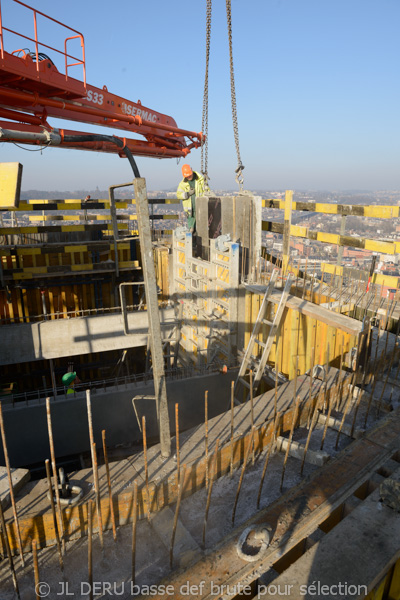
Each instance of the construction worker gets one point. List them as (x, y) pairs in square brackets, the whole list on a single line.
[(70, 379), (191, 186)]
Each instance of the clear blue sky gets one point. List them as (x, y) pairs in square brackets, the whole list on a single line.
[(317, 84)]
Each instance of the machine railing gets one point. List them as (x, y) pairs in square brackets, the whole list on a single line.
[(116, 384), (38, 43)]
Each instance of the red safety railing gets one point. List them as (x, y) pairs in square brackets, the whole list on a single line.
[(38, 43)]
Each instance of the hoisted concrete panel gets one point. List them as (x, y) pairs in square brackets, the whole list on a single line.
[(240, 216)]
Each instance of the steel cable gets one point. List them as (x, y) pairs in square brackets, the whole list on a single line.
[(204, 121), (240, 167)]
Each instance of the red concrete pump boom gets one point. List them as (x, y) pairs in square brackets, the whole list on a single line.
[(33, 89)]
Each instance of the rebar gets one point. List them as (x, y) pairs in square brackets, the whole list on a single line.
[(90, 548), (134, 524), (54, 467), (232, 424), (311, 429), (53, 512), (311, 384), (250, 444), (363, 379), (97, 492), (252, 412), (269, 451), (322, 283), (341, 376), (146, 469), (389, 370), (327, 421), (6, 545), (110, 498), (212, 477), (206, 432), (178, 455), (278, 347), (381, 360), (36, 569), (176, 515), (294, 420), (305, 276), (10, 485)]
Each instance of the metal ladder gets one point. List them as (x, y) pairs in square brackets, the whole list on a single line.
[(249, 358)]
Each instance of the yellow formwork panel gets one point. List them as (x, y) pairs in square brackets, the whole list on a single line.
[(10, 184), (298, 335)]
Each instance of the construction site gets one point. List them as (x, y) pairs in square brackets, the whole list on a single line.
[(185, 414)]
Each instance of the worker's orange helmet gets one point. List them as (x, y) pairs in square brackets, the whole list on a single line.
[(187, 170)]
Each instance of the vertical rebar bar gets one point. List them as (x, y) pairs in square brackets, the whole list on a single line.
[(250, 444), (110, 498), (311, 384), (6, 545), (176, 515), (178, 455), (206, 432), (90, 548), (53, 512), (97, 492), (252, 413), (341, 376), (269, 451), (305, 276), (54, 468), (134, 524), (232, 424), (294, 420), (322, 283), (363, 379), (338, 396), (10, 485), (146, 469), (310, 430), (212, 477), (36, 569)]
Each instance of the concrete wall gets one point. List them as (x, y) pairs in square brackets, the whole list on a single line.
[(240, 216), (26, 426), (27, 342)]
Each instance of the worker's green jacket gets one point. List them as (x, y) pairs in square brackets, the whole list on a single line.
[(184, 186)]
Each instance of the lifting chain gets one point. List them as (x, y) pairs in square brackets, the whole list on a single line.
[(204, 122), (240, 167)]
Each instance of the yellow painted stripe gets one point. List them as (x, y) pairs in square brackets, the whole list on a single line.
[(376, 212), (328, 238), (330, 209), (298, 231), (377, 246), (377, 278), (333, 238), (21, 251), (29, 272), (381, 212), (71, 204)]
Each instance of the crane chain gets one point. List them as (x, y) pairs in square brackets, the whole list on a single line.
[(204, 121), (240, 167)]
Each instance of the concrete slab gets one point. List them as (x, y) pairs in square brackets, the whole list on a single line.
[(355, 555), (185, 546), (19, 478), (84, 335)]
